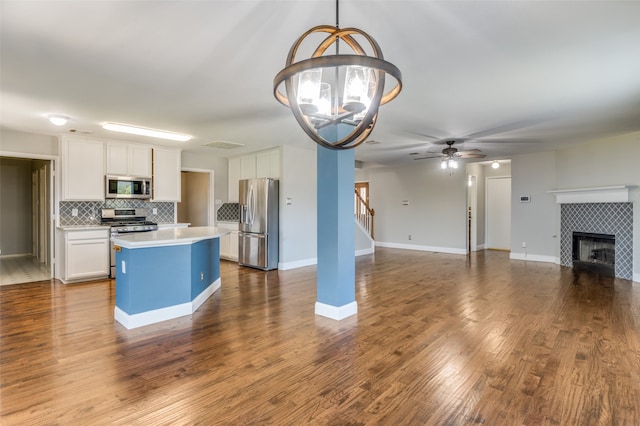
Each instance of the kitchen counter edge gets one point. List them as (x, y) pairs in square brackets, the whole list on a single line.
[(168, 237)]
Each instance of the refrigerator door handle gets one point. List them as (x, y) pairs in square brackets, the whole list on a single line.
[(248, 234), (243, 213)]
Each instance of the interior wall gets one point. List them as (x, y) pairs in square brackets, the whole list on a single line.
[(28, 143), (421, 201), (536, 222), (298, 219), (210, 161), (194, 207), (15, 206)]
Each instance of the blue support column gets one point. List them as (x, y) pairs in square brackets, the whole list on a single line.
[(336, 241)]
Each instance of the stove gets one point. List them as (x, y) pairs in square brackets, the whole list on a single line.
[(125, 221)]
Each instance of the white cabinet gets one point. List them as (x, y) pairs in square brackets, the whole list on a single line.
[(86, 254), (82, 169), (234, 177), (248, 166), (261, 164), (128, 159), (229, 242), (166, 174), (268, 164)]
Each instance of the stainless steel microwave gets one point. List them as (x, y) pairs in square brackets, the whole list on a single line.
[(127, 187)]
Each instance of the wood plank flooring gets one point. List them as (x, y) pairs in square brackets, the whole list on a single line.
[(439, 339)]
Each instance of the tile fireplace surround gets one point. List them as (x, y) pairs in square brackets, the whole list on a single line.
[(583, 211)]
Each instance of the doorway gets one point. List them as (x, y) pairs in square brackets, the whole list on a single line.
[(499, 213), (196, 206), (25, 220)]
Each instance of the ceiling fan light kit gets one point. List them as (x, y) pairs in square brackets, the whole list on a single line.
[(335, 98)]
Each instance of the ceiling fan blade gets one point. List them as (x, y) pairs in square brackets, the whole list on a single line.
[(472, 155), (425, 158)]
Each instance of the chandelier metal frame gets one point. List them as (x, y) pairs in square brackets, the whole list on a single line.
[(311, 122)]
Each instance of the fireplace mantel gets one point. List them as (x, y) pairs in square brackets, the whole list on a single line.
[(604, 194)]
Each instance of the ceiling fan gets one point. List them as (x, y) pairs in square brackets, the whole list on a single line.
[(452, 153)]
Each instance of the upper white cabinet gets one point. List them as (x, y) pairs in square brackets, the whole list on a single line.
[(82, 169), (234, 177), (128, 159), (268, 164), (248, 166), (166, 174), (261, 164)]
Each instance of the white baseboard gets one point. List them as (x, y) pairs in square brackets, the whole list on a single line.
[(422, 248), (365, 251), (534, 257), (284, 266), (164, 314), (636, 277), (336, 312), (297, 264)]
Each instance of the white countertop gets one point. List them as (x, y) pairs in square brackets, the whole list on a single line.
[(82, 227), (168, 237)]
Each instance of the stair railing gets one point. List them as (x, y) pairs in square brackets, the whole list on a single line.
[(364, 214)]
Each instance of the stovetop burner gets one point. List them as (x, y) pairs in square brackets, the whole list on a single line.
[(127, 220)]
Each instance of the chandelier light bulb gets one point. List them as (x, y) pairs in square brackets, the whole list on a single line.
[(495, 164)]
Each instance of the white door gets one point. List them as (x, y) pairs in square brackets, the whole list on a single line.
[(499, 213)]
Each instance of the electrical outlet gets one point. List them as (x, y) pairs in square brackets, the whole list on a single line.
[(409, 237), (201, 276), (154, 211), (524, 244), (74, 212)]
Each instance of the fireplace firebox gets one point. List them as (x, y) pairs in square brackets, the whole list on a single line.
[(595, 252)]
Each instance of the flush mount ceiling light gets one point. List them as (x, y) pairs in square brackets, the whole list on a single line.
[(495, 164), (335, 98), (143, 131), (58, 119)]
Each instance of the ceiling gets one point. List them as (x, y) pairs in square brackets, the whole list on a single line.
[(505, 77)]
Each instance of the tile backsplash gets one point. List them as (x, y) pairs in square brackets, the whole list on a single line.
[(228, 212), (89, 211)]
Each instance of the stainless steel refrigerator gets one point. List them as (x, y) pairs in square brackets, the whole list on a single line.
[(258, 228)]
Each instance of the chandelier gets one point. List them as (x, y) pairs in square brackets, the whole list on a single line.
[(335, 98)]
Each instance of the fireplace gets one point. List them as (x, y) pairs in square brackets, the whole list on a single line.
[(595, 252)]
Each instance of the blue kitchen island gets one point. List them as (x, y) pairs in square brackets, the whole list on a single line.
[(165, 274)]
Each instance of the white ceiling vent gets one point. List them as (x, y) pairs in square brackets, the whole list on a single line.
[(224, 144)]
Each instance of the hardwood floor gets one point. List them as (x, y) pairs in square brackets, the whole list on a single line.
[(438, 339)]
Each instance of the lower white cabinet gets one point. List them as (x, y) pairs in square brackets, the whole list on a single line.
[(229, 242), (86, 254)]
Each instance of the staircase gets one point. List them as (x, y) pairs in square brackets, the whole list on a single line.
[(364, 214)]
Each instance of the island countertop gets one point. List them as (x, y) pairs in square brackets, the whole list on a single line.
[(168, 237)]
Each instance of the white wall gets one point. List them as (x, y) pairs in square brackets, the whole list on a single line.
[(536, 223), (436, 211), (298, 221), (203, 160), (27, 143)]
